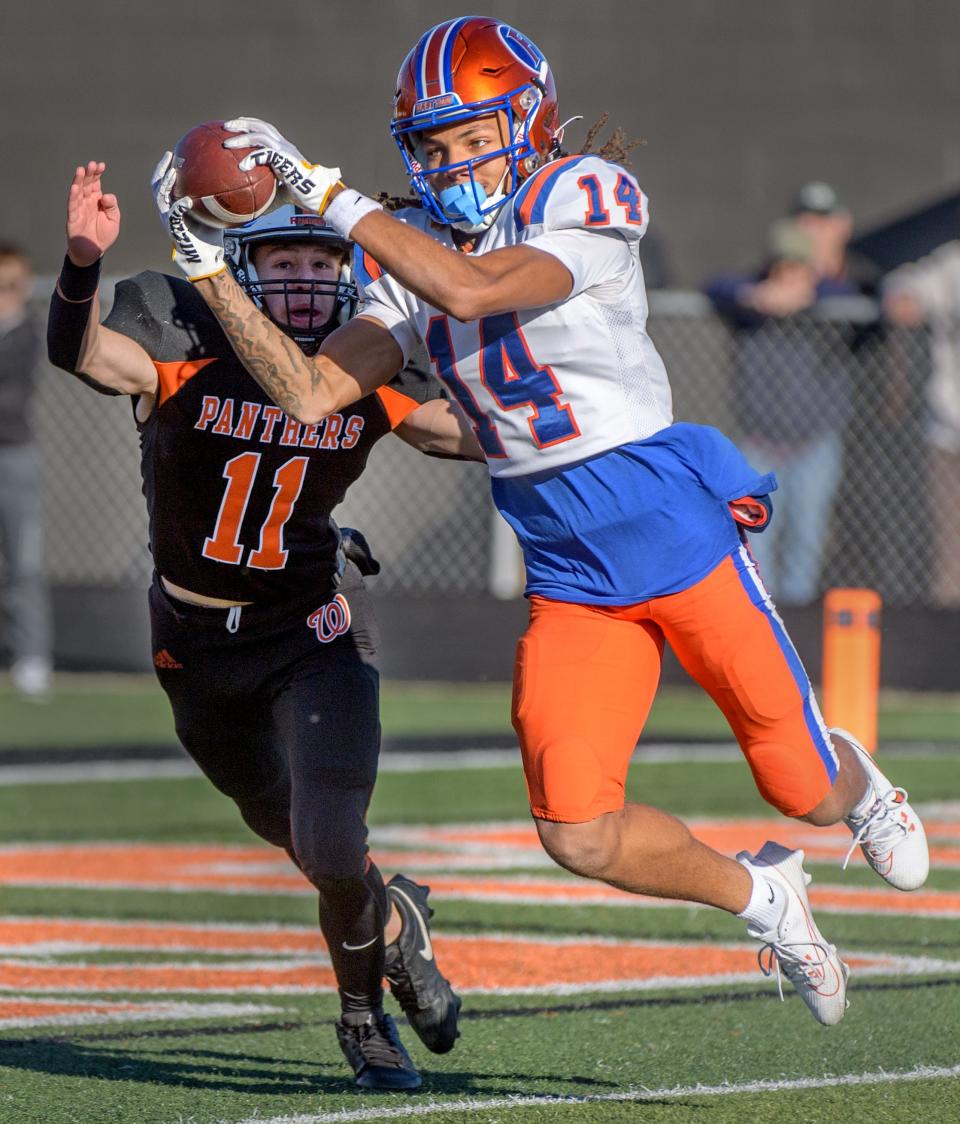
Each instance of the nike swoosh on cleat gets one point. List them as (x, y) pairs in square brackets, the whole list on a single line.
[(773, 896), (427, 951), (357, 947)]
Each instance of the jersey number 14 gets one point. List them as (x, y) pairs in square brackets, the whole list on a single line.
[(513, 378)]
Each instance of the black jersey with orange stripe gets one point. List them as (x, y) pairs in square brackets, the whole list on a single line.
[(239, 494)]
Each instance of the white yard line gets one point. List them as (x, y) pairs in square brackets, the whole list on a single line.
[(390, 762), (78, 772), (470, 1104), (97, 1012), (75, 772)]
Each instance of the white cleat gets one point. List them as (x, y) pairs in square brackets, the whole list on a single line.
[(796, 947), (890, 835)]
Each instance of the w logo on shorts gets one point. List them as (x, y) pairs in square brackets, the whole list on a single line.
[(331, 620)]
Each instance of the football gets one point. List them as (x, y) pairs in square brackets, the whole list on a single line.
[(222, 194)]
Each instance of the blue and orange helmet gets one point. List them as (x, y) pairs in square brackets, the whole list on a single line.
[(468, 68)]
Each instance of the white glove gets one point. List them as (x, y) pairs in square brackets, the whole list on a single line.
[(302, 183), (197, 248)]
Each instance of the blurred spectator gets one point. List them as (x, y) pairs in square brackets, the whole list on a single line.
[(23, 591), (928, 291), (819, 211), (792, 396)]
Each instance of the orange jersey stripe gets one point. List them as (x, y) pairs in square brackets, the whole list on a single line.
[(398, 406), (372, 267), (173, 375), (546, 176)]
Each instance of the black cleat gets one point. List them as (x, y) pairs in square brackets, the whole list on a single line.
[(427, 999), (373, 1048)]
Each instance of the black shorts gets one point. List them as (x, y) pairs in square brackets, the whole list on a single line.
[(279, 706)]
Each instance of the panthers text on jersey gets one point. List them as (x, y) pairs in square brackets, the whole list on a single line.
[(239, 494), (611, 502)]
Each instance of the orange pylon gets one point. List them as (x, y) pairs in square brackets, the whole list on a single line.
[(851, 661)]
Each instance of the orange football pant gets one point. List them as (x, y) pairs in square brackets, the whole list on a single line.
[(586, 676)]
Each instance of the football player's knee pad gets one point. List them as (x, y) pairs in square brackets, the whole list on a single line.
[(330, 838), (269, 822), (792, 781), (570, 778), (267, 812), (322, 864)]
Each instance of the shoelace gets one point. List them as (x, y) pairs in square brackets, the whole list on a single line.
[(377, 1044), (794, 966), (883, 836)]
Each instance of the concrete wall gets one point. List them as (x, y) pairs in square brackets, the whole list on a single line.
[(740, 100), (471, 639)]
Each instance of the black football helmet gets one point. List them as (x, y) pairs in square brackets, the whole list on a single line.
[(289, 223)]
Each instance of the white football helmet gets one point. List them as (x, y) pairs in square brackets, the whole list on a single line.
[(292, 224)]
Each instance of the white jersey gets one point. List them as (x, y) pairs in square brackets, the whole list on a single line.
[(549, 386)]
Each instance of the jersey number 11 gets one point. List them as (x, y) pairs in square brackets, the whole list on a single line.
[(223, 545)]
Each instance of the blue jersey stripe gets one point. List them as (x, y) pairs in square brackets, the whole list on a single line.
[(811, 711)]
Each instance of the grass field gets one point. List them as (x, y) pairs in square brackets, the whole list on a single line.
[(159, 965), (96, 711)]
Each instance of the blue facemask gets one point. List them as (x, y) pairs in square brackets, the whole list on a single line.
[(463, 201)]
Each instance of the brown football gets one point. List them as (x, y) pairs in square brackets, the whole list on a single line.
[(222, 194)]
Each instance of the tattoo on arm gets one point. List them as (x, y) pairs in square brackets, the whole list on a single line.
[(271, 357)]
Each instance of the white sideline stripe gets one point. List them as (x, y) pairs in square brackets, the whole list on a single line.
[(489, 897), (890, 966), (136, 1012), (470, 1104), (119, 924), (78, 772), (442, 761)]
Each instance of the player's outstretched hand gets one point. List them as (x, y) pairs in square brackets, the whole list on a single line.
[(197, 248), (304, 184), (93, 217)]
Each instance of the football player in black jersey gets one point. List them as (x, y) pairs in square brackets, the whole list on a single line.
[(263, 637)]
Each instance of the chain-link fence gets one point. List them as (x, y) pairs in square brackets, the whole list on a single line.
[(833, 400)]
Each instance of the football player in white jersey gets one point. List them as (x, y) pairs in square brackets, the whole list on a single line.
[(520, 274)]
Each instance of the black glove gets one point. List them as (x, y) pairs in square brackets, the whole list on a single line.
[(357, 550)]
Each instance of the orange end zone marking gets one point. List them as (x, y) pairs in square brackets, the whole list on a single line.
[(149, 866), (555, 891), (213, 978), (28, 933), (267, 870), (473, 964)]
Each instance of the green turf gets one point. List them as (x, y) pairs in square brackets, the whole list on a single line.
[(189, 809), (583, 1045), (93, 711), (909, 936)]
